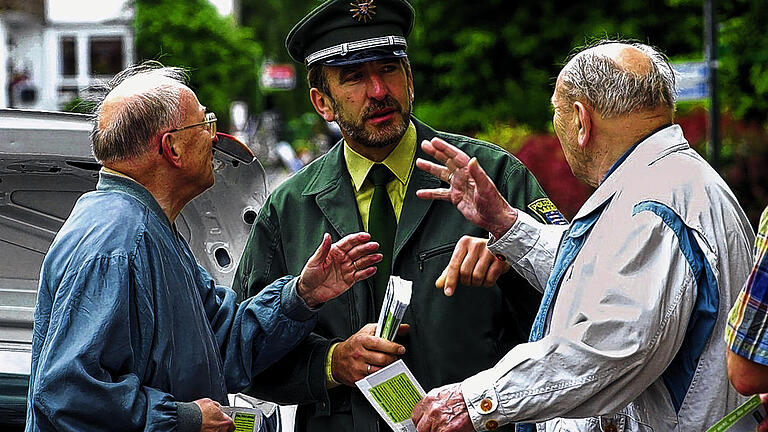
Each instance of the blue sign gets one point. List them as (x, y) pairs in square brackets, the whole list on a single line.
[(691, 80)]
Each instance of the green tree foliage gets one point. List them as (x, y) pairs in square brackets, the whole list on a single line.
[(271, 20), (743, 56), (222, 58), (488, 62), (497, 60)]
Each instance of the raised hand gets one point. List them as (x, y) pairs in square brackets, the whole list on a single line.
[(333, 268), (363, 354), (471, 190), (473, 264), (443, 410), (213, 418)]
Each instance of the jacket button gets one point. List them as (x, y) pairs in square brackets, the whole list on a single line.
[(486, 405), (611, 428), (501, 257), (491, 425)]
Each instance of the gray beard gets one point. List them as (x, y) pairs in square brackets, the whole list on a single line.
[(386, 136)]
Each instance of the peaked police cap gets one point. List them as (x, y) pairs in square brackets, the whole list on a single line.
[(340, 32)]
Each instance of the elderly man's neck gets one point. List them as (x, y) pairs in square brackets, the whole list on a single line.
[(615, 136), (169, 194)]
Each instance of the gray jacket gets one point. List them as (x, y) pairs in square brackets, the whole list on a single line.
[(633, 338)]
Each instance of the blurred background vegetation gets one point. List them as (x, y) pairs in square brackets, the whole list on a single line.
[(487, 68)]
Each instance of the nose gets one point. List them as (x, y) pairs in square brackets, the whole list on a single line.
[(376, 87)]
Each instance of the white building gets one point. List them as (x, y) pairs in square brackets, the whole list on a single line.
[(52, 50), (55, 49)]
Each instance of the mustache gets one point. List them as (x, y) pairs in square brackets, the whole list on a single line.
[(376, 105)]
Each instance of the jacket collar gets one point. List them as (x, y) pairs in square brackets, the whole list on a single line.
[(665, 141), (333, 192), (116, 182)]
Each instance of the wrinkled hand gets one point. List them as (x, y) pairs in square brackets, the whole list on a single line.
[(473, 264), (214, 419), (471, 190), (335, 267), (351, 358), (443, 410)]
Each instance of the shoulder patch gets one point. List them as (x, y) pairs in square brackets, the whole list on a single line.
[(547, 211)]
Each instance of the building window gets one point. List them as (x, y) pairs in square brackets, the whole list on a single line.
[(106, 55), (68, 56)]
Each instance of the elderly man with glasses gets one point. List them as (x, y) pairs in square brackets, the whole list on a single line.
[(130, 332)]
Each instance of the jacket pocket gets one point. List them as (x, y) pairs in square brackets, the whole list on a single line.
[(434, 252)]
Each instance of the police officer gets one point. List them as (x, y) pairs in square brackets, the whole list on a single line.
[(360, 77)]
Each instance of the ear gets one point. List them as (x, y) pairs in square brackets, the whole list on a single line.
[(322, 104), (584, 120), (168, 145)]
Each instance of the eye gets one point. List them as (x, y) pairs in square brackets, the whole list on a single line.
[(389, 68), (351, 77)]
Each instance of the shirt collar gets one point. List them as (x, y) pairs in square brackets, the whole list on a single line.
[(111, 180), (399, 161), (631, 149)]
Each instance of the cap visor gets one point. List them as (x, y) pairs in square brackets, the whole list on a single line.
[(365, 56)]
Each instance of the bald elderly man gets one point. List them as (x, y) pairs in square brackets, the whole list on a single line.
[(629, 335), (130, 333)]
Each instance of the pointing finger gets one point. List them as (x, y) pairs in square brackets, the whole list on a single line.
[(453, 271)]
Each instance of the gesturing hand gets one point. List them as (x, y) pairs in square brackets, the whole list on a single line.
[(214, 419), (363, 354), (471, 190), (333, 268), (473, 263), (443, 410)]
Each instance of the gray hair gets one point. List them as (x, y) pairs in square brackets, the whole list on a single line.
[(593, 77), (150, 105)]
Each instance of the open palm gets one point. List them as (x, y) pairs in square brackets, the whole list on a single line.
[(333, 268), (470, 189)]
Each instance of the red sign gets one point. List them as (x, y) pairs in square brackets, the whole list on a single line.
[(278, 76)]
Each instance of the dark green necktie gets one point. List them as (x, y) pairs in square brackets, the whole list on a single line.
[(382, 226)]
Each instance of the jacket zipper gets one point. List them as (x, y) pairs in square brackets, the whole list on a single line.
[(423, 256)]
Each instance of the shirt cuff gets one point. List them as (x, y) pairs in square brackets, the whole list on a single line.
[(329, 381), (482, 402), (515, 244), (293, 305), (189, 418)]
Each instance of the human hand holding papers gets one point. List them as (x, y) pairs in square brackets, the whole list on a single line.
[(393, 392), (246, 419)]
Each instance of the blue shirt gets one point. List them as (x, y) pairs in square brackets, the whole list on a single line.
[(127, 323)]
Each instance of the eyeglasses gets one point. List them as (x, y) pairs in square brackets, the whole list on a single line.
[(210, 119), (209, 122)]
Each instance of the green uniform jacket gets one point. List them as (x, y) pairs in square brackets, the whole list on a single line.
[(450, 338)]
